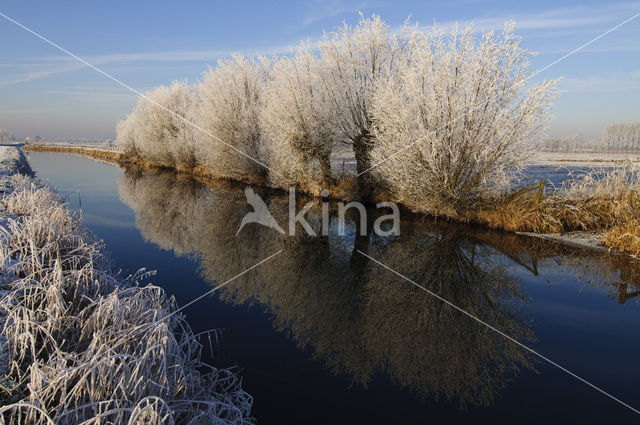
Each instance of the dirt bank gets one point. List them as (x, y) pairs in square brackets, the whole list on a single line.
[(96, 153), (346, 190)]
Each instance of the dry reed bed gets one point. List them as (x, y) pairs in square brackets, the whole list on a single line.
[(605, 201), (86, 346)]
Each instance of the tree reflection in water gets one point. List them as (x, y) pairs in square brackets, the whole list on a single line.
[(358, 318)]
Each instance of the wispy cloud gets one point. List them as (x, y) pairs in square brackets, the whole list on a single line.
[(96, 94), (604, 82), (28, 72), (320, 10), (25, 111), (540, 21), (562, 21), (542, 24), (30, 69)]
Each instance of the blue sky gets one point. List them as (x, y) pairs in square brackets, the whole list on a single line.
[(148, 43)]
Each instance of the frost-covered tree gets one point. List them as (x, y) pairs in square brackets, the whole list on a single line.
[(229, 102), (125, 136), (3, 135), (623, 136), (159, 129), (296, 116), (354, 59), (463, 97)]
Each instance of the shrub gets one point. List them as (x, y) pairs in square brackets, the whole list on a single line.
[(125, 138)]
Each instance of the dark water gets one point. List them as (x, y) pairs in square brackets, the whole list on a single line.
[(322, 335)]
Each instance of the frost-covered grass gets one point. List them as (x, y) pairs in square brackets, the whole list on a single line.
[(13, 161), (85, 345)]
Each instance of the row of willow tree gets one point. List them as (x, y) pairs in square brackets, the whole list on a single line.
[(443, 117)]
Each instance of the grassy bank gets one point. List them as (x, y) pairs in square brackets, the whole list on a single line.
[(81, 344), (606, 206), (96, 153), (442, 124)]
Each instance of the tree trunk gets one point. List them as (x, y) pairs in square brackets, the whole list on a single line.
[(325, 170), (358, 262), (361, 151)]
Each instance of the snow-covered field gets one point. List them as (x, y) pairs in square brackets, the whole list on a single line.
[(344, 160), (582, 158)]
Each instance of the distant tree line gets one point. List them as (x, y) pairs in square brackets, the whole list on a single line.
[(577, 143), (622, 137), (6, 137)]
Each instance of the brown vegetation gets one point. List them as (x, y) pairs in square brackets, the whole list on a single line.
[(96, 153), (625, 237), (606, 201), (608, 204)]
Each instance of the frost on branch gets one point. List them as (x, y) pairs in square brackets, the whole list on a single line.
[(455, 121), (623, 137), (296, 119), (464, 97), (229, 102), (159, 129), (354, 60)]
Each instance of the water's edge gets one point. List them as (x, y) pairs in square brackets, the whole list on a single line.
[(588, 240)]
